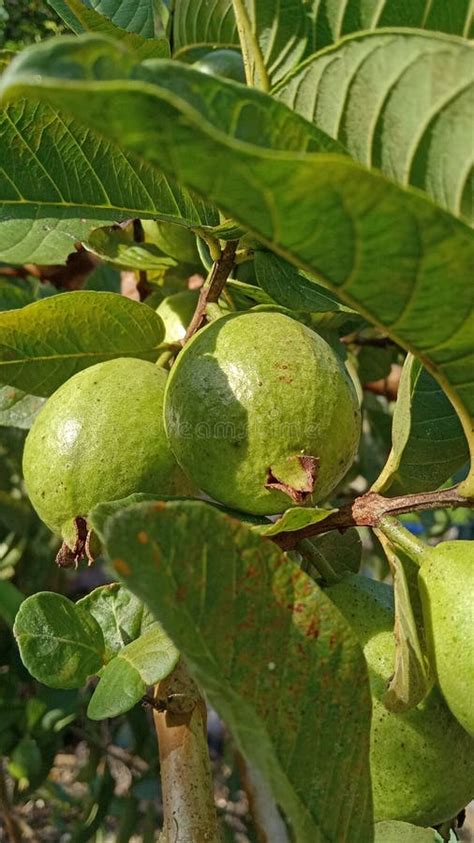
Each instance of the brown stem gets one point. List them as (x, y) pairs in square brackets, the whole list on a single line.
[(6, 813), (367, 511), (371, 342), (212, 289), (186, 779)]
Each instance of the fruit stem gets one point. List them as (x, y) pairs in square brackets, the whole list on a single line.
[(212, 287), (402, 538), (186, 780)]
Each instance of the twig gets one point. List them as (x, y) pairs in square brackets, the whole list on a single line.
[(367, 511), (6, 812), (134, 762), (212, 288)]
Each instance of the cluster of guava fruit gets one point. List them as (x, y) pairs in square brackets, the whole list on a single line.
[(259, 413)]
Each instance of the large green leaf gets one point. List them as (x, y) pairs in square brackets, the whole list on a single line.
[(360, 233), (59, 180), (132, 15), (45, 343), (276, 35), (399, 101), (81, 18), (428, 442), (296, 699)]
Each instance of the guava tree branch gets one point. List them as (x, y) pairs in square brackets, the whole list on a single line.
[(367, 511), (180, 717), (213, 286)]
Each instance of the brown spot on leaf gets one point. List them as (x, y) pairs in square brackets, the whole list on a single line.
[(121, 567), (312, 630), (159, 506), (143, 537)]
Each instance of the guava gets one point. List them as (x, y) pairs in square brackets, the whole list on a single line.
[(260, 413), (176, 311), (175, 240), (99, 437), (226, 63), (422, 761), (446, 582)]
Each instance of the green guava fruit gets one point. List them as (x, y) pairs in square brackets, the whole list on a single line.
[(99, 437), (261, 414), (422, 761), (176, 311), (226, 63), (446, 583)]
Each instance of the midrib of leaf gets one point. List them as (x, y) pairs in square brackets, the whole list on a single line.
[(251, 51)]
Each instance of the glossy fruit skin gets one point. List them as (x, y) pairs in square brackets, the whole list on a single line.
[(226, 63), (422, 761), (176, 312), (98, 438), (249, 395), (446, 582)]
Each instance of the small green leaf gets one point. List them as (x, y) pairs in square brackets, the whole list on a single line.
[(287, 286), (81, 18), (411, 680), (60, 643), (45, 343), (124, 680), (296, 518), (120, 615), (340, 552), (17, 408), (428, 442), (296, 699)]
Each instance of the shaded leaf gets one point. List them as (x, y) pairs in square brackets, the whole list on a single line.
[(411, 680), (401, 102), (15, 514), (339, 551), (82, 18), (214, 595), (354, 229), (17, 408), (59, 642), (428, 442), (282, 281), (120, 615), (13, 294), (45, 343), (115, 246), (125, 679), (10, 600), (202, 24)]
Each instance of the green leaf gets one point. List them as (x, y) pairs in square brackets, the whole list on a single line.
[(120, 615), (296, 518), (45, 343), (398, 832), (428, 442), (340, 552), (15, 514), (10, 600), (354, 229), (133, 15), (399, 101), (125, 679), (214, 595), (114, 245), (411, 680), (13, 294), (17, 408), (81, 18), (282, 281), (59, 642), (197, 23), (58, 181)]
